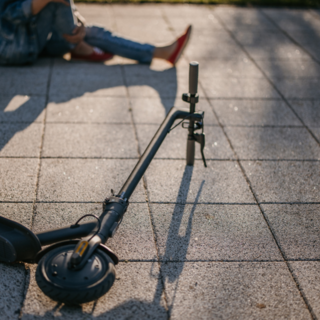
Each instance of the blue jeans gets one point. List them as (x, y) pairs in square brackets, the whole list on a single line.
[(57, 19), (53, 21)]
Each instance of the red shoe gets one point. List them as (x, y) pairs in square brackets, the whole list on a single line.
[(97, 55), (181, 44)]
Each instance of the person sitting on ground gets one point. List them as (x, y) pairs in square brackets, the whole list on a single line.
[(54, 27)]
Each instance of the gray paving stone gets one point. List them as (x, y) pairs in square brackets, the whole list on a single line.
[(254, 113), (84, 179), (315, 12), (20, 212), (18, 179), (133, 240), (243, 18), (20, 139), (21, 108), (25, 80), (296, 228), (273, 143), (135, 28), (258, 45), (305, 37), (89, 110), (312, 47), (316, 132), (200, 37), (203, 23), (298, 88), (284, 181), (232, 291), (154, 110), (142, 10), (98, 14), (188, 11), (58, 215), (293, 19), (90, 140), (242, 68), (137, 294), (176, 24), (221, 46), (12, 290), (145, 82), (232, 87), (75, 79), (174, 146), (220, 182), (308, 275), (298, 68), (308, 41), (212, 232), (202, 20), (142, 81), (308, 111), (135, 297)]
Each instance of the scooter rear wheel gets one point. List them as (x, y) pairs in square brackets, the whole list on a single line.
[(70, 286)]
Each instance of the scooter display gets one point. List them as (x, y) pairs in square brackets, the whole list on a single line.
[(75, 266)]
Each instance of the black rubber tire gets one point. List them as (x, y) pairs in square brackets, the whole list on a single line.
[(81, 293)]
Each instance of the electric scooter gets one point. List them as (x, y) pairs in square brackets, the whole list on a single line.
[(76, 266)]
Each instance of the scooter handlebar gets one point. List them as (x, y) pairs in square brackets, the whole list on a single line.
[(193, 77)]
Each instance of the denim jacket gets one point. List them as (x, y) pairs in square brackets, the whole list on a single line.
[(18, 42)]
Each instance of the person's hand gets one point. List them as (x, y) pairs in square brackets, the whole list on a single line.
[(77, 36)]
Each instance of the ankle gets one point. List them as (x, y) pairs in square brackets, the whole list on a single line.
[(83, 48)]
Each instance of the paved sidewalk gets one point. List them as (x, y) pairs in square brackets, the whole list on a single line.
[(237, 240)]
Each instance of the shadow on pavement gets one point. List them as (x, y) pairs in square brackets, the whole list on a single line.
[(165, 83), (73, 80), (176, 246)]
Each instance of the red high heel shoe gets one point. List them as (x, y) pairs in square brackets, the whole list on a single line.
[(181, 44), (97, 56)]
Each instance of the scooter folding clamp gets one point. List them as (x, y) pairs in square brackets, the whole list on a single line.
[(190, 98)]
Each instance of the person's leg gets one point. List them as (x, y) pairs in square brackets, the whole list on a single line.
[(143, 53), (56, 46), (109, 42), (52, 22), (55, 19)]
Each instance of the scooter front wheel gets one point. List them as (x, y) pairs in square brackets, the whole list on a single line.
[(70, 286)]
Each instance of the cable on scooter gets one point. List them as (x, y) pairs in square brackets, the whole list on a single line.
[(188, 116), (89, 215)]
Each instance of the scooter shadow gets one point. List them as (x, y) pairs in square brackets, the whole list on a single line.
[(167, 273), (171, 261)]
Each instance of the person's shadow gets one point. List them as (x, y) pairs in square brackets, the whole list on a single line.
[(68, 81)]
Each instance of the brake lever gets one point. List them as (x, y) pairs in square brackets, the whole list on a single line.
[(201, 138)]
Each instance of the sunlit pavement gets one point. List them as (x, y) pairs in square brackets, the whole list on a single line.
[(239, 239)]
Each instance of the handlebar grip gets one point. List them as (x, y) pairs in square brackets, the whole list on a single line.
[(193, 77)]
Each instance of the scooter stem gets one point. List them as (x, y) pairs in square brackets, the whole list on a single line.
[(153, 147), (193, 99)]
